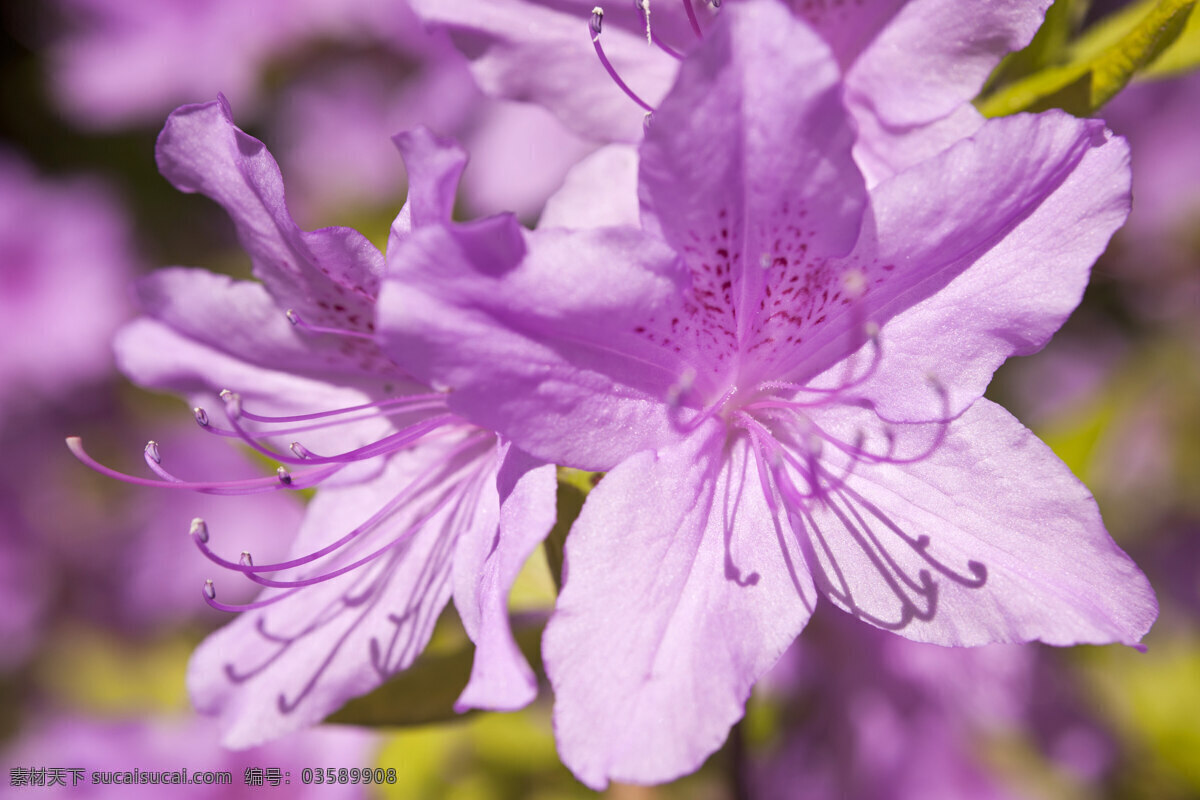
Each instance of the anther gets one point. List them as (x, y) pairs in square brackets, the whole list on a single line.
[(292, 318), (644, 7), (715, 3), (595, 25), (233, 403), (855, 283), (210, 591), (647, 120), (199, 529), (285, 477), (246, 560), (152, 452), (681, 387), (201, 416), (299, 450)]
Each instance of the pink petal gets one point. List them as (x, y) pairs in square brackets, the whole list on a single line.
[(681, 590)]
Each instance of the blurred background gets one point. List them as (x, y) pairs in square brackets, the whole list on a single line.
[(100, 600)]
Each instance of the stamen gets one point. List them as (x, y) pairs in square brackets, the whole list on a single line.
[(246, 560), (871, 331), (199, 529), (681, 387), (210, 597), (296, 320), (151, 452), (691, 15), (302, 480), (201, 416), (698, 420), (594, 25), (285, 477), (644, 7), (401, 499)]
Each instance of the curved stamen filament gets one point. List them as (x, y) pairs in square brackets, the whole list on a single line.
[(300, 480), (691, 15), (392, 404), (595, 25), (210, 597), (698, 420), (201, 537), (872, 332), (394, 441), (403, 537)]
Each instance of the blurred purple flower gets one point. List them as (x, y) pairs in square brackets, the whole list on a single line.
[(100, 747), (65, 259), (414, 504), (865, 714), (872, 715), (129, 61), (331, 115), (782, 374)]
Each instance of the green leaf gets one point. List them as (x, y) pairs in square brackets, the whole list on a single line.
[(425, 692), (1050, 46), (1102, 63), (1182, 56)]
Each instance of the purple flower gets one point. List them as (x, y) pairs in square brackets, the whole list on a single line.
[(781, 373), (877, 716), (65, 257), (414, 503), (911, 67)]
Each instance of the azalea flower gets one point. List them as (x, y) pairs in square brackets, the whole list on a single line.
[(910, 67), (781, 372), (413, 504), (65, 256)]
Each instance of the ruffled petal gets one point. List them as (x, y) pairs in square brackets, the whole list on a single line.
[(240, 319), (681, 588), (434, 166), (330, 276), (989, 538), (485, 567)]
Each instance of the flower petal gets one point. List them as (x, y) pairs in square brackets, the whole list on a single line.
[(975, 255), (331, 276), (434, 166), (240, 319), (1016, 548), (933, 56), (681, 588), (748, 159), (486, 565), (288, 665), (542, 52), (563, 350), (600, 191)]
